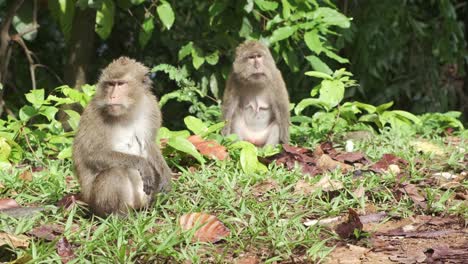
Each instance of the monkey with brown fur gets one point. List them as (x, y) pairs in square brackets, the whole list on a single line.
[(117, 162), (256, 102)]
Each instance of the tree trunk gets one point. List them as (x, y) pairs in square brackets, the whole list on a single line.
[(12, 8), (80, 54)]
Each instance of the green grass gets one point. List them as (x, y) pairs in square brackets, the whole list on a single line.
[(269, 226)]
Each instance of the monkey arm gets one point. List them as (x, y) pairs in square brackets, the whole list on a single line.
[(281, 111), (230, 105), (161, 168)]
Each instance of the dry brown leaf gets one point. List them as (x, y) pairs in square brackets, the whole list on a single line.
[(263, 187), (327, 163), (427, 147), (346, 229), (328, 185), (210, 229), (65, 250), (303, 187), (15, 241), (359, 192), (209, 148), (26, 175), (8, 203)]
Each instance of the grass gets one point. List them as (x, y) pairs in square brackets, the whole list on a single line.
[(269, 225)]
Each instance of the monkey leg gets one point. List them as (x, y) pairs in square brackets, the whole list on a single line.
[(116, 191), (273, 135)]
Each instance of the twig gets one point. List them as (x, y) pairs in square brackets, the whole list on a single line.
[(330, 133), (28, 53), (49, 70), (30, 147)]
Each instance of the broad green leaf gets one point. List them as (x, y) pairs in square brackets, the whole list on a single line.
[(197, 58), (265, 5), (105, 19), (383, 107), (182, 144), (312, 40), (331, 92), (213, 58), (282, 33), (5, 149), (26, 112), (333, 55), (195, 125), (319, 65), (215, 127), (286, 9), (166, 14), (304, 103), (407, 115), (249, 6), (246, 28), (290, 57), (248, 158), (166, 133), (369, 108), (49, 112), (318, 74), (74, 119), (66, 153), (63, 11), (36, 97), (185, 50), (146, 31), (332, 17)]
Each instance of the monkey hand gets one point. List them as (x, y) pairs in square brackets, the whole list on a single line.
[(147, 176)]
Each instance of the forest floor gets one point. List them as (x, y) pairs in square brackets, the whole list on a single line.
[(389, 199)]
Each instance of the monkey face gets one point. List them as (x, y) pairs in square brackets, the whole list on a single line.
[(116, 97), (253, 67)]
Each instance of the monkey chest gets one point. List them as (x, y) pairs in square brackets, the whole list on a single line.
[(130, 140), (257, 114)]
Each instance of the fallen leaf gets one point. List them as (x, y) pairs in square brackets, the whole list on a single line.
[(387, 160), (8, 203), (15, 241), (346, 229), (18, 212), (350, 254), (394, 169), (303, 187), (26, 175), (427, 147), (445, 254), (64, 250), (372, 218), (328, 185), (412, 191), (247, 260), (263, 187), (209, 148), (210, 229), (351, 157), (50, 232), (359, 192), (322, 222), (325, 162)]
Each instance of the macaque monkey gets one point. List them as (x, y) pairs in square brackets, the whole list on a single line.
[(117, 162), (256, 102)]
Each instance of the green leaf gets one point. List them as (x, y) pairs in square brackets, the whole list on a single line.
[(146, 31), (249, 6), (195, 125), (333, 55), (313, 42), (286, 9), (332, 17), (185, 50), (383, 107), (26, 112), (166, 133), (36, 97), (197, 58), (182, 144), (407, 115), (304, 103), (5, 149), (105, 19), (332, 92), (49, 112), (369, 108), (63, 11), (282, 33), (166, 14), (215, 127), (319, 65), (291, 60), (66, 153), (265, 5), (317, 74), (246, 28), (213, 58), (74, 119)]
